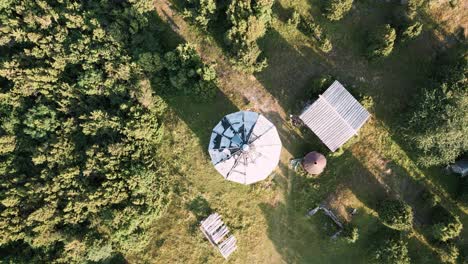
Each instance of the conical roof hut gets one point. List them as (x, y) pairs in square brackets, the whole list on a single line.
[(314, 162)]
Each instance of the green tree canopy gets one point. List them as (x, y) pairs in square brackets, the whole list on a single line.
[(82, 177), (438, 124), (337, 9), (445, 225), (248, 22), (382, 41), (201, 12)]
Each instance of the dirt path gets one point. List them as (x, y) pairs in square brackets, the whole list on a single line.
[(231, 82)]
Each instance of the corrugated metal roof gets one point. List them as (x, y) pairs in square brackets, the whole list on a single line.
[(335, 117)]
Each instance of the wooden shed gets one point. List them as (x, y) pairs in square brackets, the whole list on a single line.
[(335, 116)]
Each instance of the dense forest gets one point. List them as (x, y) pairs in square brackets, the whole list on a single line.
[(79, 140), (82, 116)]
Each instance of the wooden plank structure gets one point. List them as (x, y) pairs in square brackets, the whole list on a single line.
[(216, 232), (332, 216), (335, 116), (327, 212)]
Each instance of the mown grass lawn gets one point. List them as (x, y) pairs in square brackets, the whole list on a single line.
[(268, 218)]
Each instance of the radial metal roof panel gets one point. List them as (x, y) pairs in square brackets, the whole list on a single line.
[(245, 147)]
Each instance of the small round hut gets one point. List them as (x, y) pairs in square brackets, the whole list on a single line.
[(314, 162)]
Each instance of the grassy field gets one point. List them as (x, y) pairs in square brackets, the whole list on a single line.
[(268, 218)]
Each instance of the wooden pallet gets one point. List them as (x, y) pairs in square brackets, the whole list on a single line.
[(217, 233)]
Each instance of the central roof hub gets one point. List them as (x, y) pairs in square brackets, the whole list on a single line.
[(245, 148)]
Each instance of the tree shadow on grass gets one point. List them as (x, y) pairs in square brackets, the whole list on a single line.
[(201, 118), (298, 141), (288, 68), (390, 81), (395, 182), (299, 239), (201, 209)]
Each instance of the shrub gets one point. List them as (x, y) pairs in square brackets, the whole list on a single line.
[(448, 253), (7, 144), (430, 198), (412, 7), (392, 251), (150, 62), (325, 45), (201, 12), (189, 75), (100, 253), (350, 233), (315, 32), (295, 19), (445, 225), (248, 22), (367, 102), (396, 214), (381, 42), (412, 31), (336, 9)]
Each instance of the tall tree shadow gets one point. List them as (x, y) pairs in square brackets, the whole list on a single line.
[(200, 208), (301, 240), (288, 68), (298, 141), (201, 118)]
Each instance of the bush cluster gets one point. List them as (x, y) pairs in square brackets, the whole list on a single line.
[(392, 251), (350, 233), (200, 12), (437, 123), (411, 30), (396, 214), (381, 42), (248, 22), (315, 32), (448, 253), (188, 75), (337, 9), (445, 225)]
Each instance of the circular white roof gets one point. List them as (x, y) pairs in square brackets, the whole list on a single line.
[(245, 147)]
